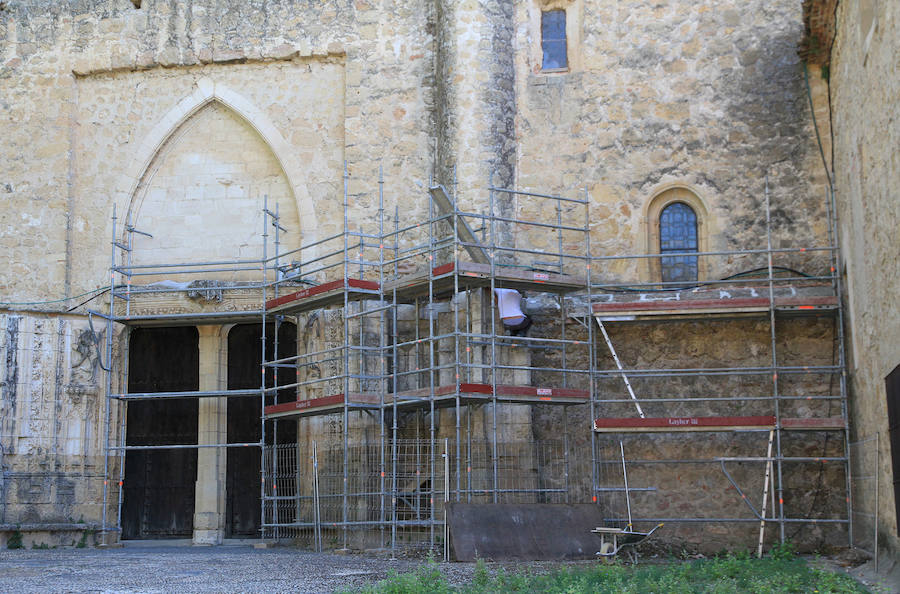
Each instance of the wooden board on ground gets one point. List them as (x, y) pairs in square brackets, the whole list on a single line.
[(523, 531)]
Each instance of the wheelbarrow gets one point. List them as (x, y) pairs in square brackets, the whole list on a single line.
[(613, 540)]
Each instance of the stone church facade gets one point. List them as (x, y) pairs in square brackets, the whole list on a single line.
[(185, 118)]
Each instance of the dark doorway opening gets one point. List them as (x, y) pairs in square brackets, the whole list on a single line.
[(158, 493), (892, 387), (242, 469)]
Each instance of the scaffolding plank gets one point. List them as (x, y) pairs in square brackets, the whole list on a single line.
[(637, 310), (186, 394), (517, 278), (822, 424), (470, 275), (320, 406), (329, 293), (188, 318), (634, 424), (666, 424), (538, 394), (479, 392)]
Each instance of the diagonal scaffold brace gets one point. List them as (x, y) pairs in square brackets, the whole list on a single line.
[(612, 350)]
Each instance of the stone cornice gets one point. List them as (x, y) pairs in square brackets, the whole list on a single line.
[(282, 53)]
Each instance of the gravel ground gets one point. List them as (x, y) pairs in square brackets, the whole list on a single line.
[(151, 568), (148, 568)]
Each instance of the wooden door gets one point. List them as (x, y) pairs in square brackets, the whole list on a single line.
[(158, 493), (242, 482)]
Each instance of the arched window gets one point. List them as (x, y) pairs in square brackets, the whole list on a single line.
[(677, 235)]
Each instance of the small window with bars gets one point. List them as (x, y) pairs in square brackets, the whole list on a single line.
[(553, 40), (678, 235)]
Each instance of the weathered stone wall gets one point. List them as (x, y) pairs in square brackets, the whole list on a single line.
[(476, 118), (91, 90), (681, 467), (864, 91), (185, 113), (201, 193), (701, 489), (655, 96), (675, 94), (52, 423)]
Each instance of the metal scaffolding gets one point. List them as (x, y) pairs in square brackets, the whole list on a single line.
[(414, 401), (800, 395), (123, 294), (430, 282)]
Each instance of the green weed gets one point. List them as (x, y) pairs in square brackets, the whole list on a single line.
[(15, 540), (782, 551), (84, 538), (778, 573)]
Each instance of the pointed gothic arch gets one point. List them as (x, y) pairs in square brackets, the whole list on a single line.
[(206, 92)]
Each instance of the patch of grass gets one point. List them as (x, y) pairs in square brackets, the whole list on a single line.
[(15, 540), (84, 538), (426, 578), (783, 551), (780, 572)]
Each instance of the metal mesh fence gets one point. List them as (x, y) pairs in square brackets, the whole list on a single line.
[(864, 462), (393, 495)]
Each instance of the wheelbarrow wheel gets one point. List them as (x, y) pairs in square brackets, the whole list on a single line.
[(605, 550)]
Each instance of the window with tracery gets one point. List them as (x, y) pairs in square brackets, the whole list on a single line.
[(678, 235)]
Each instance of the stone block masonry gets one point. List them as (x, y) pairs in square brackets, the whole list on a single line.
[(184, 115), (863, 89)]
